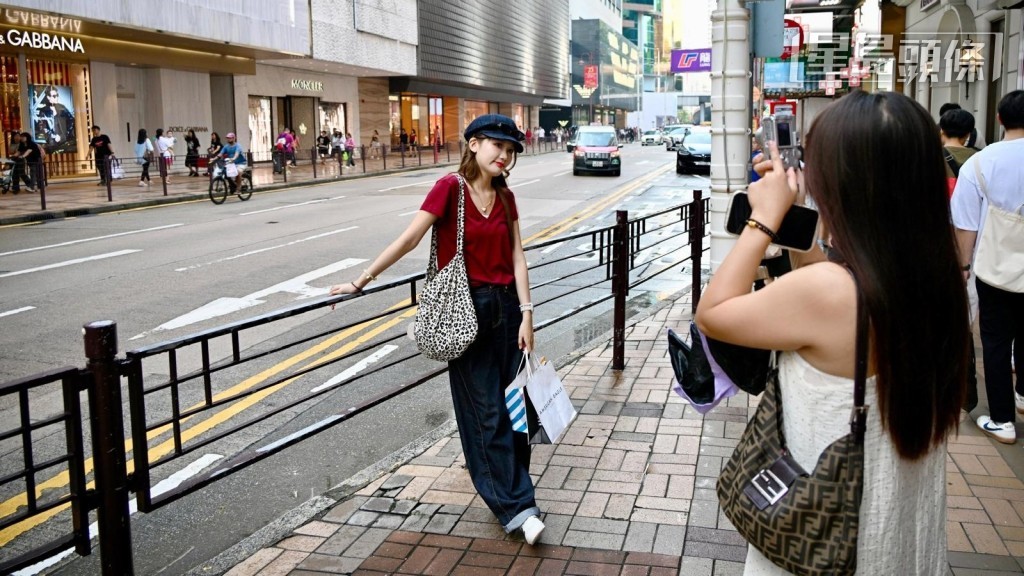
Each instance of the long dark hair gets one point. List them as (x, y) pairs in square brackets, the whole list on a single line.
[(142, 136), (875, 169)]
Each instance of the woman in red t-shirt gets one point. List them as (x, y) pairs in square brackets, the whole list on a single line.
[(498, 459)]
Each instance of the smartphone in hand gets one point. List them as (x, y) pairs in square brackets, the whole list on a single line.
[(799, 229)]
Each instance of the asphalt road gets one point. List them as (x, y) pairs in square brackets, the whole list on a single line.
[(166, 272)]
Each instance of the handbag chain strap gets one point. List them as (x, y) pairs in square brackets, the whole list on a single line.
[(459, 237)]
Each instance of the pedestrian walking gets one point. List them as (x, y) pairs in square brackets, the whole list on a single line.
[(26, 159), (987, 207), (165, 150), (915, 335), (350, 149), (101, 149), (144, 154), (375, 146), (192, 153), (498, 458)]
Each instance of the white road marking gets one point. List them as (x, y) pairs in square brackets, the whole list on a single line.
[(643, 162), (261, 250), (406, 185), (356, 368), (17, 311), (525, 183), (290, 206), (408, 213), (227, 305), (554, 247), (70, 263), (72, 242), (172, 482), (561, 174)]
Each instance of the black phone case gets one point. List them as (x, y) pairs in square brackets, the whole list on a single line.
[(799, 227)]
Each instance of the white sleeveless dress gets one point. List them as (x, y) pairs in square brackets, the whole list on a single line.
[(903, 507)]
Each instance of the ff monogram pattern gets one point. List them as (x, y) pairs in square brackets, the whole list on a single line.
[(811, 528), (446, 319)]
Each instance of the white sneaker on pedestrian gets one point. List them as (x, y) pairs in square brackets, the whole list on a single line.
[(142, 184), (1003, 432), (532, 529), (1018, 400)]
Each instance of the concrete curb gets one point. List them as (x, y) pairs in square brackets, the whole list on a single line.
[(314, 507)]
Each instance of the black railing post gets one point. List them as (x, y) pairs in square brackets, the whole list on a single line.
[(108, 449), (620, 287), (448, 150), (313, 156), (384, 155), (403, 155), (162, 167), (41, 185), (284, 164), (362, 156), (109, 161), (696, 225), (419, 155)]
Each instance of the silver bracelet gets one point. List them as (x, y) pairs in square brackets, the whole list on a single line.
[(528, 307)]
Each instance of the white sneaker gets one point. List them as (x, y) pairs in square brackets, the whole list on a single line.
[(1003, 432), (532, 529), (1019, 401), (142, 184)]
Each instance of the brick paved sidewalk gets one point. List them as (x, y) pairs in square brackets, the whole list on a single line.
[(628, 490)]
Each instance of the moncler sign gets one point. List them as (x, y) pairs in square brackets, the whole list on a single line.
[(308, 85)]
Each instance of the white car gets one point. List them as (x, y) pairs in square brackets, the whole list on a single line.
[(651, 137)]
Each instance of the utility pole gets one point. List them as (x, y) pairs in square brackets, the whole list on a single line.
[(730, 115)]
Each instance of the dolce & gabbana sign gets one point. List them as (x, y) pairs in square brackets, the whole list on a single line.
[(308, 85), (41, 41)]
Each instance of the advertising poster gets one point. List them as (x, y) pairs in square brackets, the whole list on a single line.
[(53, 118), (686, 61)]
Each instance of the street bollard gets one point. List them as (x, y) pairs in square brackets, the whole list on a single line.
[(620, 287), (448, 150), (41, 185), (384, 155), (108, 176), (362, 156), (419, 156), (313, 156), (403, 155), (108, 449), (696, 225), (162, 167)]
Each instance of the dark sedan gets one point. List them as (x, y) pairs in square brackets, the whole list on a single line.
[(693, 154)]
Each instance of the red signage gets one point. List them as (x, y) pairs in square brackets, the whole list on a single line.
[(792, 39), (782, 106), (590, 76)]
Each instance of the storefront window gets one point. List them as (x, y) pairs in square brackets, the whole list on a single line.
[(261, 133), (332, 117), (10, 114), (58, 110), (475, 109), (394, 119), (517, 115), (436, 120)]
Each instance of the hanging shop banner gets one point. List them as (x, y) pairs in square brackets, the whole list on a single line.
[(53, 117), (792, 38), (686, 61), (590, 76)]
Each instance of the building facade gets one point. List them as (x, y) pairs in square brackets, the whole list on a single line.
[(605, 81), (954, 51)]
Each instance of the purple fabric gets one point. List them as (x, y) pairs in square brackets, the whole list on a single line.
[(724, 387)]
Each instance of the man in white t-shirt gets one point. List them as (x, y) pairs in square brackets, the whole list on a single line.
[(1000, 312)]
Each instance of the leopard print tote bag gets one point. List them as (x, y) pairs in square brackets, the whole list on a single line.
[(446, 319), (804, 523)]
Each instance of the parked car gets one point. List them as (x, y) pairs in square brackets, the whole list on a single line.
[(693, 154), (673, 137), (651, 137), (597, 150)]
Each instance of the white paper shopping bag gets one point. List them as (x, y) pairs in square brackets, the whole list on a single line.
[(549, 398)]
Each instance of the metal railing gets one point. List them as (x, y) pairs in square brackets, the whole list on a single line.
[(173, 385)]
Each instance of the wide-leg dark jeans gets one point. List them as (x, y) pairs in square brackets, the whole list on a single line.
[(498, 458), (1001, 323)]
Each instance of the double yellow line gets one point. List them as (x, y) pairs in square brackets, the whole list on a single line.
[(372, 328)]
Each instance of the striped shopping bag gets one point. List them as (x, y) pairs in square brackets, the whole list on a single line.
[(515, 401)]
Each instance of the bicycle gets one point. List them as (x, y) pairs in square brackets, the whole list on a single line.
[(220, 183)]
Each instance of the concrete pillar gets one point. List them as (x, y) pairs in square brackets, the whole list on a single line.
[(730, 116)]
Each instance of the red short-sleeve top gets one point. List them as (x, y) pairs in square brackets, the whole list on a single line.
[(488, 249)]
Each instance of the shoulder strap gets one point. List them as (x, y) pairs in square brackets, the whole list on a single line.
[(981, 180), (858, 418), (953, 164)]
